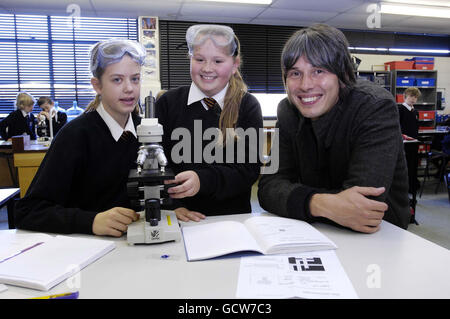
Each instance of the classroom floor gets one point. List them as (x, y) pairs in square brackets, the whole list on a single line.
[(432, 214)]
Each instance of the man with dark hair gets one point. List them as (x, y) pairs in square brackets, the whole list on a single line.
[(340, 146)]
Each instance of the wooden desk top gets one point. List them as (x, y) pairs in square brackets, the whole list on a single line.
[(34, 146)]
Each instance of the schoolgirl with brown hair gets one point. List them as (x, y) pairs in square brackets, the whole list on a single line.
[(80, 186)]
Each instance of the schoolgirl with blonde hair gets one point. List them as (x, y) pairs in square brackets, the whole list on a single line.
[(216, 99)]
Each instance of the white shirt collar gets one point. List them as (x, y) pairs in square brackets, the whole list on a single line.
[(24, 113), (114, 127), (195, 95), (407, 106)]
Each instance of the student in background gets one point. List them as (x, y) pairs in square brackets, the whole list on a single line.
[(409, 123), (80, 186), (341, 156), (48, 110), (216, 187), (409, 117), (21, 121)]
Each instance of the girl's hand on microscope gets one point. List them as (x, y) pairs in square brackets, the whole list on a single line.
[(114, 222), (188, 185), (186, 215)]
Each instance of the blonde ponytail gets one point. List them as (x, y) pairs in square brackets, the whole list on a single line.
[(229, 116)]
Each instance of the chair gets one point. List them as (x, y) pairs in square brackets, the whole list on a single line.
[(440, 159)]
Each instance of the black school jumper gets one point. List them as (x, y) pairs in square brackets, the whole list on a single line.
[(16, 124), (83, 173), (225, 188)]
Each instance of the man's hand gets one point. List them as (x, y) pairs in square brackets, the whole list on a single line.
[(113, 222), (351, 208), (186, 215), (189, 185)]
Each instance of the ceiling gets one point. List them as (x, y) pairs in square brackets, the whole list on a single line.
[(344, 14)]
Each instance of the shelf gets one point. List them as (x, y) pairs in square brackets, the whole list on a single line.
[(413, 86), (414, 70)]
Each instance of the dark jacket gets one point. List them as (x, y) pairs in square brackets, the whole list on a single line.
[(17, 124), (57, 124), (358, 144)]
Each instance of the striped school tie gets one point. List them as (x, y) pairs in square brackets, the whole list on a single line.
[(212, 105), (126, 136)]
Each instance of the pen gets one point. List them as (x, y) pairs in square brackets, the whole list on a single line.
[(69, 295), (20, 252)]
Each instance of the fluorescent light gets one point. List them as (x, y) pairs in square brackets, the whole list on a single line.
[(242, 1), (421, 11), (368, 49), (437, 51), (438, 3), (420, 50)]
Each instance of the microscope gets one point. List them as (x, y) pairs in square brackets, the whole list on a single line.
[(41, 128), (155, 225)]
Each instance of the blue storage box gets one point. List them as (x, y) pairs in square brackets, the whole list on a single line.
[(423, 59), (425, 82), (401, 81)]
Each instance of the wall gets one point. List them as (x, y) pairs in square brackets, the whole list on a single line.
[(441, 64)]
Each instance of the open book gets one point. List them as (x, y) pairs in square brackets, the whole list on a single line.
[(264, 234), (40, 261)]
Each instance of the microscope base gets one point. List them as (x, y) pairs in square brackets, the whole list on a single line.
[(140, 232)]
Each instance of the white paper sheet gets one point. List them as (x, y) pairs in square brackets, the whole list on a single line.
[(315, 275)]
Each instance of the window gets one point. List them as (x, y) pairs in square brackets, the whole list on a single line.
[(48, 55)]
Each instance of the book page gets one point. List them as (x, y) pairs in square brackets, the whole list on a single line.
[(217, 239), (12, 243), (283, 235), (317, 275)]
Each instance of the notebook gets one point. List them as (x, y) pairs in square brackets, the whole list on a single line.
[(263, 234), (41, 261)]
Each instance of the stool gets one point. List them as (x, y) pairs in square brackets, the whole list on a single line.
[(434, 156)]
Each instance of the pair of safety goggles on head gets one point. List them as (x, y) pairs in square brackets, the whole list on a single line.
[(112, 51), (221, 35)]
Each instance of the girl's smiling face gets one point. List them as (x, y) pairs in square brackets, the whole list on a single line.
[(212, 67)]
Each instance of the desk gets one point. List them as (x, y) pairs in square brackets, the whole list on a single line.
[(410, 267), (28, 162), (7, 197)]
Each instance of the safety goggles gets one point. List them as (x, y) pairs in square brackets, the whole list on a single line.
[(112, 50), (221, 36)]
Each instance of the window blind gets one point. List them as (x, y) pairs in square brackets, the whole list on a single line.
[(48, 55)]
